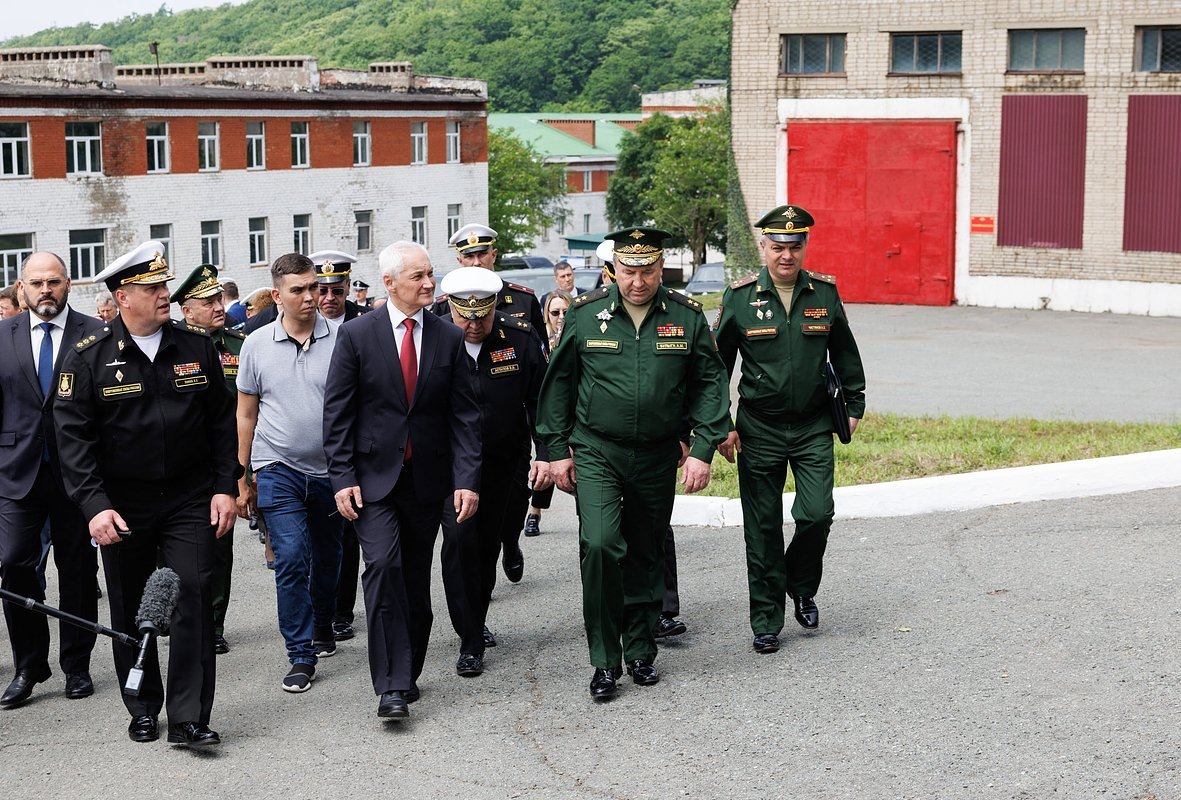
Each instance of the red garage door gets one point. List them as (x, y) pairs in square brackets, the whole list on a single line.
[(883, 194)]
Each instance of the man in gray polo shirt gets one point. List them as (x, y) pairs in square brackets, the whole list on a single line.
[(281, 375)]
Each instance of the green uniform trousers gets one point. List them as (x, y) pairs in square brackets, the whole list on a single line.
[(625, 503), (223, 565), (772, 572)]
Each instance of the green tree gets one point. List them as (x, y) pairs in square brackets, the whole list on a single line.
[(688, 192), (638, 153), (524, 193)]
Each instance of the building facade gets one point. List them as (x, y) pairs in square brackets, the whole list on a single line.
[(233, 161), (1004, 153)]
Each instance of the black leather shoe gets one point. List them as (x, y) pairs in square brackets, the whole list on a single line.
[(220, 645), (192, 734), (489, 638), (79, 685), (602, 685), (343, 631), (766, 643), (143, 728), (513, 563), (643, 672), (412, 694), (469, 665), (807, 614), (393, 706), (21, 688), (533, 525), (669, 626)]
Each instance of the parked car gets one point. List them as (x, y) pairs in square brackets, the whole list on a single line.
[(587, 279), (542, 283), (707, 278), (526, 262)]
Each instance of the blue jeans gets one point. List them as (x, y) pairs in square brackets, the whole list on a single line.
[(300, 514)]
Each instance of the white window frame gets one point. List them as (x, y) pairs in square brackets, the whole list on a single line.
[(418, 143), (165, 240), (453, 149), (157, 148), (87, 259), (14, 150), (362, 144), (301, 234), (454, 218), (12, 258), (586, 219), (84, 150), (418, 225), (257, 240), (209, 147), (588, 181), (301, 156), (256, 146), (363, 220), (211, 243)]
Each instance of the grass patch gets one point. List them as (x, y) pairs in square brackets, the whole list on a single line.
[(891, 447)]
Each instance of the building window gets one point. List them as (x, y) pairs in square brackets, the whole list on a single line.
[(1152, 213), (1159, 49), (588, 181), (302, 225), (454, 218), (87, 253), (14, 150), (452, 142), (157, 140), (417, 142), (258, 240), (14, 249), (364, 230), (163, 235), (812, 54), (921, 53), (586, 223), (1049, 50), (560, 223), (361, 144), (256, 145), (207, 147), (84, 148), (418, 225), (299, 144), (211, 243)]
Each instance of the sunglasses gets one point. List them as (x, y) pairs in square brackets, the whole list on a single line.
[(555, 312), (337, 291)]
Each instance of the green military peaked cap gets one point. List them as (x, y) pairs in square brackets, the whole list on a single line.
[(200, 284), (638, 247), (786, 224)]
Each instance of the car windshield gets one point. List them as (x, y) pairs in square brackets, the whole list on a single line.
[(713, 273)]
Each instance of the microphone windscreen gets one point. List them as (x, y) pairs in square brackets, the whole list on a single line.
[(161, 594)]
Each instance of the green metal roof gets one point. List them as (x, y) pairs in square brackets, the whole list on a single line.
[(553, 143)]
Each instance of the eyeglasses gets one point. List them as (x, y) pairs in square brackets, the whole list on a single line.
[(557, 312), (337, 291)]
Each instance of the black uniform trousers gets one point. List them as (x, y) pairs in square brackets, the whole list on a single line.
[(397, 537), (21, 522), (177, 523), (470, 549), (350, 567)]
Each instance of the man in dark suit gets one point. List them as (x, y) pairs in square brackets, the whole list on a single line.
[(31, 491), (401, 431)]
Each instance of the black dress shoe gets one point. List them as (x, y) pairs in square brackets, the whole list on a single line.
[(393, 706), (192, 734), (220, 645), (643, 672), (412, 694), (766, 643), (343, 631), (469, 665), (79, 685), (533, 525), (513, 563), (602, 685), (489, 638), (143, 728), (21, 688), (669, 626), (807, 614)]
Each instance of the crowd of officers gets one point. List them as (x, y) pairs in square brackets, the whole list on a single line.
[(149, 436)]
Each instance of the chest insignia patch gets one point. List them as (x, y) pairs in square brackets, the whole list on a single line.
[(758, 303), (508, 299), (766, 330), (816, 327), (499, 356), (229, 360), (604, 315), (505, 369), (190, 368), (121, 345), (119, 375), (815, 313), (602, 327), (65, 386), (602, 344), (677, 331)]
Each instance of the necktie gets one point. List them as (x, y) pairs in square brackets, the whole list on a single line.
[(409, 359), (45, 359)]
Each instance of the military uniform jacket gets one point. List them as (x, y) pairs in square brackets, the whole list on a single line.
[(513, 300), (632, 387), (229, 347), (132, 425), (509, 371), (784, 350)]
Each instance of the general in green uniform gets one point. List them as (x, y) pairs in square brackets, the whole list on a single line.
[(201, 301), (786, 322), (633, 358)]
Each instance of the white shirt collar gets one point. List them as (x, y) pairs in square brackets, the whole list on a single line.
[(58, 321)]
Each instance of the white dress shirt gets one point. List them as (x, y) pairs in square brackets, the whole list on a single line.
[(56, 334), (396, 319)]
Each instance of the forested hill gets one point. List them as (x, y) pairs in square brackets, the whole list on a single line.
[(552, 55)]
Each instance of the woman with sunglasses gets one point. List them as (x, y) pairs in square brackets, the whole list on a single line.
[(557, 303)]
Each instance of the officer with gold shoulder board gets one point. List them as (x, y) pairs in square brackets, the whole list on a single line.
[(786, 322), (148, 444)]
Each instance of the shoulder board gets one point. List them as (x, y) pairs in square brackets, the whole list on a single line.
[(586, 297), (441, 299), (97, 336), (184, 326), (516, 287), (234, 333), (738, 284), (820, 276), (684, 300), (513, 323)]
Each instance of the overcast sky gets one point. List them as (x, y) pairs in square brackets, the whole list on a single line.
[(23, 17)]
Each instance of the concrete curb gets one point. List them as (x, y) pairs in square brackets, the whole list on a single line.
[(1097, 476)]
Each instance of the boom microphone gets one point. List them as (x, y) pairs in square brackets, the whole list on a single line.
[(161, 594)]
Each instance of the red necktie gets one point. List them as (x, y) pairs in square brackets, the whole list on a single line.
[(409, 359)]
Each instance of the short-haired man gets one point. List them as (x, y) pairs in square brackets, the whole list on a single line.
[(32, 347), (104, 306), (9, 303), (235, 310), (283, 370), (361, 294)]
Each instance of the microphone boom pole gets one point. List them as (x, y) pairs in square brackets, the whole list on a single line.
[(97, 627)]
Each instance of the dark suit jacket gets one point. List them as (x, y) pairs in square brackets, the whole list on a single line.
[(367, 421), (26, 419)]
